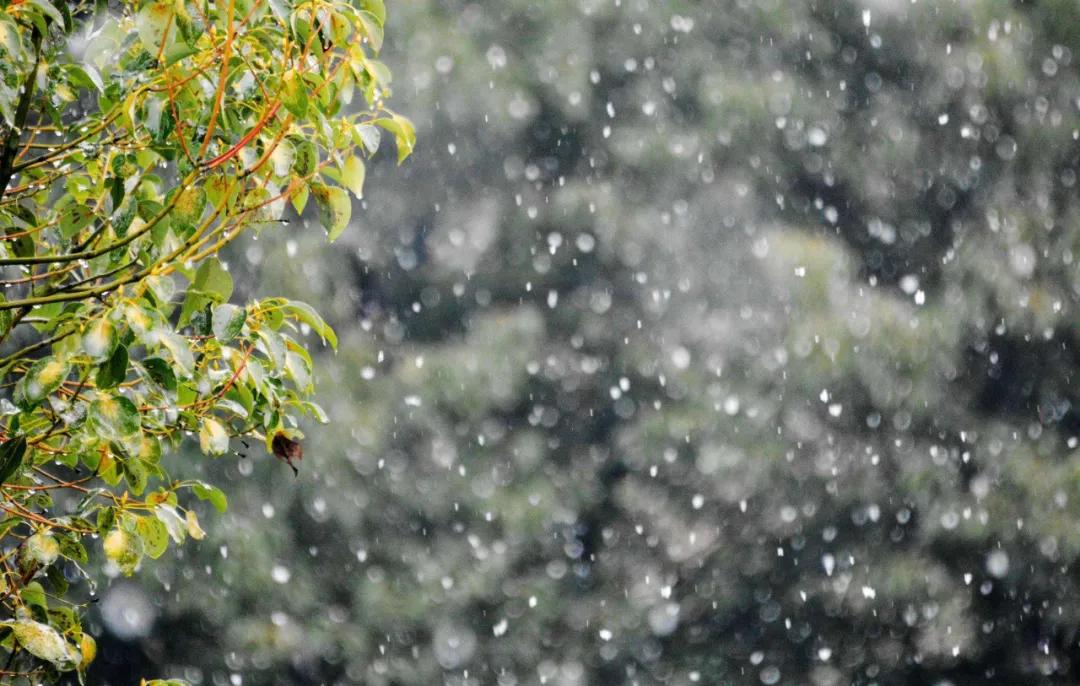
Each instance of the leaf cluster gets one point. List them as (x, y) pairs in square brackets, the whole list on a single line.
[(137, 140)]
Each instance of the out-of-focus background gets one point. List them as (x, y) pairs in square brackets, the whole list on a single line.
[(698, 343)]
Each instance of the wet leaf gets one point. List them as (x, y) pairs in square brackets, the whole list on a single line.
[(11, 457), (114, 417), (44, 642), (42, 548), (352, 175), (124, 549), (213, 438), (335, 209), (154, 535)]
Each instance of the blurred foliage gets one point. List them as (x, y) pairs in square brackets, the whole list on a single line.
[(701, 342)]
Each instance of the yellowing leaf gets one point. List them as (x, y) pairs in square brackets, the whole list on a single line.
[(42, 548), (44, 642), (299, 199), (213, 439), (188, 210), (88, 648), (154, 535), (153, 22), (352, 175), (123, 549), (99, 339), (193, 528), (43, 377), (158, 25), (114, 417)]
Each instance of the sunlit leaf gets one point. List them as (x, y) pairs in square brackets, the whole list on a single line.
[(352, 175), (114, 417), (42, 548), (124, 549), (213, 438), (335, 209), (42, 641)]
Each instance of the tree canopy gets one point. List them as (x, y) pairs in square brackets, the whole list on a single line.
[(137, 140)]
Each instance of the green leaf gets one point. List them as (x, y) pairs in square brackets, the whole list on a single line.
[(63, 619), (202, 321), (11, 457), (307, 314), (113, 372), (228, 321), (72, 549), (160, 371), (160, 27), (136, 475), (372, 28), (281, 159), (114, 417), (335, 209), (174, 523), (50, 11), (367, 136), (352, 175), (154, 535), (377, 8), (294, 93), (106, 517), (85, 75), (273, 345), (60, 586), (305, 157), (8, 98), (299, 202), (10, 39), (149, 450), (212, 284), (5, 319), (299, 371), (178, 347), (34, 595), (188, 210), (73, 219), (213, 279), (404, 134), (214, 495)]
